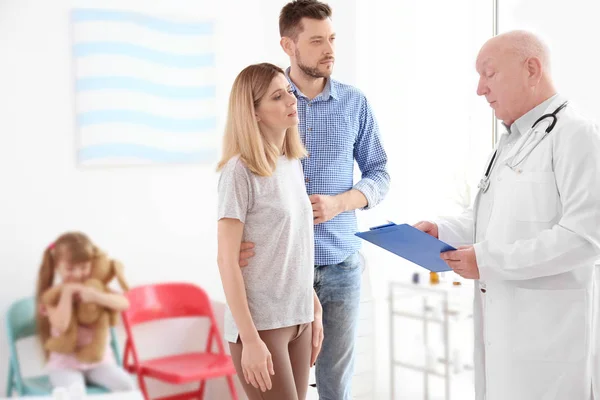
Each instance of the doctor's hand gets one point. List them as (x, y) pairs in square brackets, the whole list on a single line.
[(463, 262), (246, 252), (427, 227), (325, 207)]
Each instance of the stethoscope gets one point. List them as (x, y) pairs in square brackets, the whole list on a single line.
[(484, 183)]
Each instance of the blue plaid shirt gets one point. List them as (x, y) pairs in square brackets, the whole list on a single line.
[(336, 128)]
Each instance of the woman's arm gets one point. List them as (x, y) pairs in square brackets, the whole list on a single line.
[(235, 200), (317, 305), (257, 363), (317, 330), (229, 239)]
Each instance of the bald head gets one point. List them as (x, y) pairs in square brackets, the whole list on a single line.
[(514, 70), (521, 45)]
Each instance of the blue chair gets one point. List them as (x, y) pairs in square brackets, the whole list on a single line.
[(20, 324)]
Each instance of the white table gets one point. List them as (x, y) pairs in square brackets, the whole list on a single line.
[(134, 395)]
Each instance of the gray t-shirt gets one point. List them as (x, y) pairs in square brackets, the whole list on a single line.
[(278, 219)]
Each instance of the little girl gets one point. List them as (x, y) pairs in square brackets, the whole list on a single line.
[(70, 256)]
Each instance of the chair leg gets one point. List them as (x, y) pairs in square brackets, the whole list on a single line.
[(232, 387), (10, 382), (143, 387), (201, 391)]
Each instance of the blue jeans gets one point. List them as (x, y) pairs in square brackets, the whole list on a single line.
[(338, 289)]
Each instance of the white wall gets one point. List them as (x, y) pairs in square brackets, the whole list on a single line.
[(571, 31), (160, 221)]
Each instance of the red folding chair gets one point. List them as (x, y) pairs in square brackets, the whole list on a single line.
[(174, 300)]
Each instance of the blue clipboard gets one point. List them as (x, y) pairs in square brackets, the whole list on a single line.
[(409, 243)]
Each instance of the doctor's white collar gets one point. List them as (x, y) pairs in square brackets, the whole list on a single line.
[(525, 122)]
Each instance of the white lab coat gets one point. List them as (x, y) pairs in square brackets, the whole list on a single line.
[(533, 319)]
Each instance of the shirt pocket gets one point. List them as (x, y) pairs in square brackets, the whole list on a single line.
[(340, 137), (550, 325), (535, 197)]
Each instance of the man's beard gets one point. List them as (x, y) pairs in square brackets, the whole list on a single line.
[(313, 72)]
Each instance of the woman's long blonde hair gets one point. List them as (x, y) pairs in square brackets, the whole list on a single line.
[(73, 246), (242, 133)]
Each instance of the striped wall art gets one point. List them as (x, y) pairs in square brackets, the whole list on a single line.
[(144, 88)]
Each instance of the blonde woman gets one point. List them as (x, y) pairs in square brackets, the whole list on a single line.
[(273, 319)]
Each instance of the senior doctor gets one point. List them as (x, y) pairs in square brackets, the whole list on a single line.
[(533, 235)]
